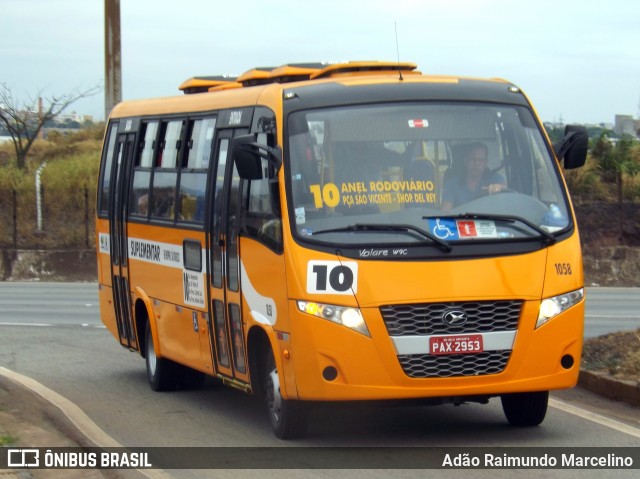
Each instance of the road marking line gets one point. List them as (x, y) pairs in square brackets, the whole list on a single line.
[(39, 325), (78, 418), (597, 418), (50, 325)]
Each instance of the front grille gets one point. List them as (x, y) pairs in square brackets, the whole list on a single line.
[(428, 366), (427, 318)]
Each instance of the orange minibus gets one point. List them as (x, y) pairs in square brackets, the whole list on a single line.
[(343, 232)]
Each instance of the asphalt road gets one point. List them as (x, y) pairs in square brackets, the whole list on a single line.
[(611, 309), (52, 333)]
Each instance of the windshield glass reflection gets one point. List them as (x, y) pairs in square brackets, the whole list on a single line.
[(457, 172)]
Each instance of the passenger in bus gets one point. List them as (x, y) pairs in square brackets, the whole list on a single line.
[(163, 205), (475, 180), (306, 171), (188, 206), (422, 170), (143, 205), (199, 214)]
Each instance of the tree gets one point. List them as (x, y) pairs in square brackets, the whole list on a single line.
[(615, 161), (24, 122)]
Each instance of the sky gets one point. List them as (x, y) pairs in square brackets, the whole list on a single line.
[(577, 60)]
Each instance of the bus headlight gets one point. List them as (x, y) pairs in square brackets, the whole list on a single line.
[(349, 317), (552, 307)]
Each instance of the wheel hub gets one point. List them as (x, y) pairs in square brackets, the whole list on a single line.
[(274, 398)]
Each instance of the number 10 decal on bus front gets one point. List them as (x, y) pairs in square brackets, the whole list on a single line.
[(332, 277)]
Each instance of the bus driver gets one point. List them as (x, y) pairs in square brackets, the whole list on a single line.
[(476, 180)]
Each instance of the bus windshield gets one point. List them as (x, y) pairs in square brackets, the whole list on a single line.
[(402, 173)]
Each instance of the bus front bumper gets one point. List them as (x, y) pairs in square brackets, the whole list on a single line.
[(333, 363)]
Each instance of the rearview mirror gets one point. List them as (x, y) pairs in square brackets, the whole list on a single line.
[(248, 155), (573, 147)]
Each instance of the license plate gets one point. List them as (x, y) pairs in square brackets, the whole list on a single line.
[(461, 344)]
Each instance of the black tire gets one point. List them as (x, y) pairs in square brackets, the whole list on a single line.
[(525, 409), (288, 418), (161, 372)]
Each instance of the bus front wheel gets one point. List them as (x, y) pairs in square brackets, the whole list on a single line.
[(288, 418), (161, 372), (525, 409)]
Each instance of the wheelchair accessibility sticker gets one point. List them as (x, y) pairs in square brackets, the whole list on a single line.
[(451, 229)]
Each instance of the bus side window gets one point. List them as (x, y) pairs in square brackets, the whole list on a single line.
[(148, 145), (191, 196), (165, 175), (193, 175), (199, 144), (139, 199), (170, 143), (260, 215), (164, 190), (105, 174), (216, 270)]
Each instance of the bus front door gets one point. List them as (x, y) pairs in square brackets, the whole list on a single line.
[(227, 335), (118, 237)]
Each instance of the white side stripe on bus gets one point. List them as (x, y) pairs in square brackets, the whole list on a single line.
[(494, 341), (262, 308)]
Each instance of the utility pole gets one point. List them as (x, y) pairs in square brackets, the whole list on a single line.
[(112, 57)]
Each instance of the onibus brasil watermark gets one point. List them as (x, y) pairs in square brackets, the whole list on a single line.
[(76, 459), (320, 458)]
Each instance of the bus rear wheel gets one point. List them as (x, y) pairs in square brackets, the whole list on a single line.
[(161, 372), (525, 409), (288, 418)]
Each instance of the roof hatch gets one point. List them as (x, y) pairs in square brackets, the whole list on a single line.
[(204, 83), (293, 72)]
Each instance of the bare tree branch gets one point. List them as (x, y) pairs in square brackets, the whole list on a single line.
[(24, 121)]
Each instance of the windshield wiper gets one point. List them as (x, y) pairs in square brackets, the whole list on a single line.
[(376, 227), (509, 219)]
